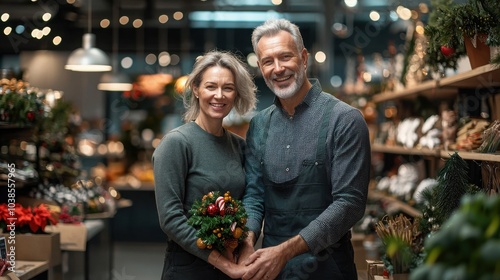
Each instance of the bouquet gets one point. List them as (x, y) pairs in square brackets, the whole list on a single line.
[(220, 221)]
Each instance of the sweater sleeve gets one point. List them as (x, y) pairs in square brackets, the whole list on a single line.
[(253, 199), (350, 155), (170, 163)]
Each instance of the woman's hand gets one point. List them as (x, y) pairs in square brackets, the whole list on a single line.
[(246, 248)]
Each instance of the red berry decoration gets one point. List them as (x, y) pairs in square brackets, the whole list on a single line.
[(212, 209), (447, 51), (30, 116)]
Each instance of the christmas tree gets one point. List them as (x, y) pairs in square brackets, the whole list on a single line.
[(443, 199)]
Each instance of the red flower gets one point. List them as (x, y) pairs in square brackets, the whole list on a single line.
[(41, 218), (28, 219), (4, 212), (23, 215)]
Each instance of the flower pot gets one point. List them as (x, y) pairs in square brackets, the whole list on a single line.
[(477, 50)]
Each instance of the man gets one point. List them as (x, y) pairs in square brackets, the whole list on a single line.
[(307, 169)]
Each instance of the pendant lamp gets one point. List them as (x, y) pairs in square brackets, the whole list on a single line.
[(115, 81), (88, 58)]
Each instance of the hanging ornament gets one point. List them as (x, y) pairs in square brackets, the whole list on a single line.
[(447, 51)]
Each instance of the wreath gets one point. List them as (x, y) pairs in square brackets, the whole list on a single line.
[(220, 221)]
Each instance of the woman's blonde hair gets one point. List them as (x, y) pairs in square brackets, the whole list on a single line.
[(245, 87)]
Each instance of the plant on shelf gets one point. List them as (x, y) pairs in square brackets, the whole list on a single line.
[(440, 201), (19, 105), (450, 24), (402, 242), (20, 219), (492, 9)]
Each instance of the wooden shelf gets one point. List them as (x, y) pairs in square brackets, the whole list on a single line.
[(394, 204), (481, 77), (438, 153), (16, 132), (472, 156), (484, 77), (428, 87), (404, 151)]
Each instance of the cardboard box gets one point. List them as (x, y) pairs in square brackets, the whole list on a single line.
[(36, 247), (374, 268), (359, 251), (73, 236), (8, 275)]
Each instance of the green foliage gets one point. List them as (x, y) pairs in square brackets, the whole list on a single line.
[(399, 256), (449, 22), (21, 108), (402, 242), (443, 199), (217, 230), (467, 246)]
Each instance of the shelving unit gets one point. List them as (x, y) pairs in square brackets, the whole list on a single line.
[(436, 153), (395, 205), (484, 77)]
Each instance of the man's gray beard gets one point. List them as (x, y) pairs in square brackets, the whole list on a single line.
[(285, 93)]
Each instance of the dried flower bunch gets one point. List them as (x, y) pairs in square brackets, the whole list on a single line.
[(491, 138), (402, 240)]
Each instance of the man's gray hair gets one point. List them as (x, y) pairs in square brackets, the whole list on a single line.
[(272, 27)]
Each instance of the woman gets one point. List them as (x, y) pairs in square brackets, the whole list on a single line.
[(201, 156)]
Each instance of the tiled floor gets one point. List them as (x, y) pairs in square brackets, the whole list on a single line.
[(138, 261), (144, 261)]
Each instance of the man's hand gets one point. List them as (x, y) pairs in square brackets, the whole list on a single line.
[(267, 263)]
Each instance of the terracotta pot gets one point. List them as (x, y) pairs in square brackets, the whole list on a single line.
[(479, 54)]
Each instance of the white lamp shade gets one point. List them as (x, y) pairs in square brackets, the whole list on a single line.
[(115, 82), (88, 58)]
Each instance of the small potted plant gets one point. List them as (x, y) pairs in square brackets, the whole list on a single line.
[(403, 244), (454, 30)]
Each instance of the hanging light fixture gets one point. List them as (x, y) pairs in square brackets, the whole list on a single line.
[(88, 58), (115, 81)]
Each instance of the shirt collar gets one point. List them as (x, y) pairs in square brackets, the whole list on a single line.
[(310, 97)]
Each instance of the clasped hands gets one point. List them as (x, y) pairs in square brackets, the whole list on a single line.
[(264, 263)]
